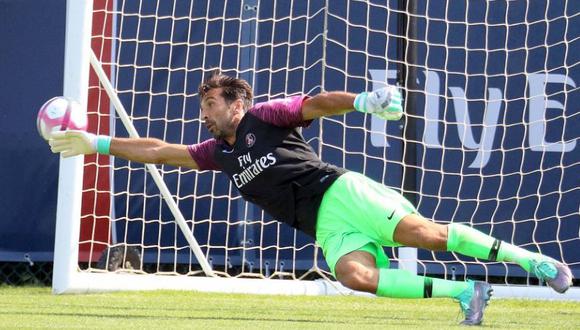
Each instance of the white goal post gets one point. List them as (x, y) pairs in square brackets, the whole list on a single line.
[(487, 139)]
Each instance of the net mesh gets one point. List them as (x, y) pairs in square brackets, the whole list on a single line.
[(488, 138)]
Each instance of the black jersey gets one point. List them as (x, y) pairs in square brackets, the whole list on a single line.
[(271, 164)]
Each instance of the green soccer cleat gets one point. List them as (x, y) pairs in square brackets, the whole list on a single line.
[(557, 275), (473, 301)]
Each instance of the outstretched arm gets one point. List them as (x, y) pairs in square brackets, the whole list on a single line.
[(143, 150), (152, 151), (327, 104), (384, 102)]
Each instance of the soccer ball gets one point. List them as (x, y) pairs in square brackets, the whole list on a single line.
[(59, 114)]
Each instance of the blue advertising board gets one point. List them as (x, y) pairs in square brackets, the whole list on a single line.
[(496, 127), (31, 72)]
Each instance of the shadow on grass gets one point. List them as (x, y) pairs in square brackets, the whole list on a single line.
[(368, 320), (159, 317)]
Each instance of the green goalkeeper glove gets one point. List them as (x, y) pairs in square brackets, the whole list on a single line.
[(384, 102), (74, 143)]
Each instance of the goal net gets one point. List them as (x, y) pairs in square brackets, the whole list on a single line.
[(488, 139)]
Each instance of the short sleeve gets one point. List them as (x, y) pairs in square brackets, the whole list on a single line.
[(202, 153), (282, 112)]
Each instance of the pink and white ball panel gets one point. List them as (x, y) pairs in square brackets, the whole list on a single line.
[(59, 114)]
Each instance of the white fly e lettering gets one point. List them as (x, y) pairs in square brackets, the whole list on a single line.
[(536, 126)]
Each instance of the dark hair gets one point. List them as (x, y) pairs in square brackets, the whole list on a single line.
[(232, 88)]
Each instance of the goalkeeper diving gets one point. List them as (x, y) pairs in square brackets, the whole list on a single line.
[(261, 148)]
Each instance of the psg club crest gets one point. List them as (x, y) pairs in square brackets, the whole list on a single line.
[(250, 139)]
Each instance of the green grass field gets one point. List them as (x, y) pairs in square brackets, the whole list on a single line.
[(38, 308)]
